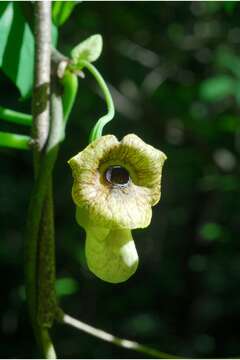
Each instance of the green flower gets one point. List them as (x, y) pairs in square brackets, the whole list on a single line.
[(115, 186)]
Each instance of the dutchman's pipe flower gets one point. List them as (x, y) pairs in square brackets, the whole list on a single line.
[(115, 186)]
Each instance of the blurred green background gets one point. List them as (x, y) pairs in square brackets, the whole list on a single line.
[(174, 72)]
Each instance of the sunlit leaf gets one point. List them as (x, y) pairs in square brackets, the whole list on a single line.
[(211, 231), (66, 286), (229, 6), (228, 123), (61, 11), (54, 34), (217, 88), (16, 47), (237, 94), (228, 60)]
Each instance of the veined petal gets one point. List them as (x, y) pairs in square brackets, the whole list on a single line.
[(91, 156), (147, 163), (109, 205)]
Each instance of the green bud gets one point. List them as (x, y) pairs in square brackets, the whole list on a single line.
[(88, 50)]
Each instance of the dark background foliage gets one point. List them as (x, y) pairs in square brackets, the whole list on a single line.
[(173, 70)]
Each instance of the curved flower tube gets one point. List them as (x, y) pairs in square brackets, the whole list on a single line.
[(115, 186)]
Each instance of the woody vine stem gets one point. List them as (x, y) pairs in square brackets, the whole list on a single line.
[(53, 97), (40, 208)]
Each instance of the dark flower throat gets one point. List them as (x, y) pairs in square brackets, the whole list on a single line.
[(117, 176)]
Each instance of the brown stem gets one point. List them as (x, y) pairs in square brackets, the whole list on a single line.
[(40, 110), (40, 132), (47, 301), (42, 70)]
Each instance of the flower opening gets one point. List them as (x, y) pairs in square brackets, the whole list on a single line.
[(115, 186)]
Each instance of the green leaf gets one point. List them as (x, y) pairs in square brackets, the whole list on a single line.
[(229, 6), (237, 94), (88, 50), (54, 34), (217, 88), (66, 286), (61, 11), (27, 9), (211, 231), (228, 60), (228, 123), (16, 47)]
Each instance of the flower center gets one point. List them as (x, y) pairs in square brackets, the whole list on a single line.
[(117, 175)]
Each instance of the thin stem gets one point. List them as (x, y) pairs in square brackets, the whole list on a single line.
[(124, 343), (15, 116), (16, 141), (98, 128), (47, 345)]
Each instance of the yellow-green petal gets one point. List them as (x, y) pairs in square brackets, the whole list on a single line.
[(107, 209), (111, 254), (112, 207)]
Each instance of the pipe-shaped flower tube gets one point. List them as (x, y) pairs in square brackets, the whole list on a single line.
[(115, 186)]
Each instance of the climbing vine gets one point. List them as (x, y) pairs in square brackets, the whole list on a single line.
[(129, 169)]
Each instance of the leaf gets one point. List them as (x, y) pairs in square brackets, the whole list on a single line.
[(61, 11), (228, 123), (211, 231), (16, 47), (89, 50), (217, 88), (54, 34), (27, 9), (237, 94), (66, 286), (229, 6), (6, 15), (228, 60)]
